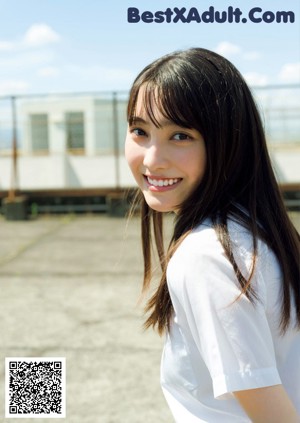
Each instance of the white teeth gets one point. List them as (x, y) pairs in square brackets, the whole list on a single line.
[(162, 182)]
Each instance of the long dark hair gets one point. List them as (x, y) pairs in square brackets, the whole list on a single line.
[(200, 89)]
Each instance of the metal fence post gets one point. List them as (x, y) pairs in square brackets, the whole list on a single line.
[(14, 174), (116, 139)]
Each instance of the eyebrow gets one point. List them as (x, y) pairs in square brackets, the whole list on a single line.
[(137, 119), (163, 122)]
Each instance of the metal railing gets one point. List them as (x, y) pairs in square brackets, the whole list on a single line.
[(278, 104), (94, 124)]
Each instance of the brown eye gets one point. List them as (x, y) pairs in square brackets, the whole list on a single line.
[(181, 137), (139, 132)]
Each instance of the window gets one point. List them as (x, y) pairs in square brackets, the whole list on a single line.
[(39, 132), (74, 130)]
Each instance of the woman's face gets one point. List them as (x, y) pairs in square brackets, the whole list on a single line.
[(167, 162)]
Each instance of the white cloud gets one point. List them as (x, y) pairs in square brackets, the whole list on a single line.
[(252, 55), (290, 72), (24, 60), (48, 72), (100, 77), (227, 49), (12, 87), (6, 46), (254, 78), (39, 35)]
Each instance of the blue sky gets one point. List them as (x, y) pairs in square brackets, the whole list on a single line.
[(75, 45)]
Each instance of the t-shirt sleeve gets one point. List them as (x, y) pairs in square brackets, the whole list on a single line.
[(232, 334)]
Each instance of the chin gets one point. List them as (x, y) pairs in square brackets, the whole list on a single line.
[(162, 209), (160, 206)]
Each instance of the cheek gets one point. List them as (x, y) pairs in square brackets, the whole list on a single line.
[(202, 159), (200, 168), (132, 155), (195, 163)]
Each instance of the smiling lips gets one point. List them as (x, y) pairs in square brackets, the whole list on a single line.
[(162, 182)]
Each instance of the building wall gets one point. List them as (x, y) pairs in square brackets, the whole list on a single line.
[(62, 172)]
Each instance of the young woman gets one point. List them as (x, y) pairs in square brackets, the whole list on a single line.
[(229, 295)]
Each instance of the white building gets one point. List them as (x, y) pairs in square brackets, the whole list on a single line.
[(77, 142), (70, 142)]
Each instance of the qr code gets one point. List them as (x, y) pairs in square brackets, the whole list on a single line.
[(35, 387)]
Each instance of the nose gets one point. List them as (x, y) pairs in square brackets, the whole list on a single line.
[(156, 156)]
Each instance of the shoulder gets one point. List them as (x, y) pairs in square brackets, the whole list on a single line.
[(201, 239), (203, 244), (201, 261)]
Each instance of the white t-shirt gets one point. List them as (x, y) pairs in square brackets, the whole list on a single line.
[(217, 345)]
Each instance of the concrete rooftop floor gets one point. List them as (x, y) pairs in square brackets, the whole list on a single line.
[(69, 287)]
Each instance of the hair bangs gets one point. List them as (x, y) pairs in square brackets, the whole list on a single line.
[(169, 98)]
